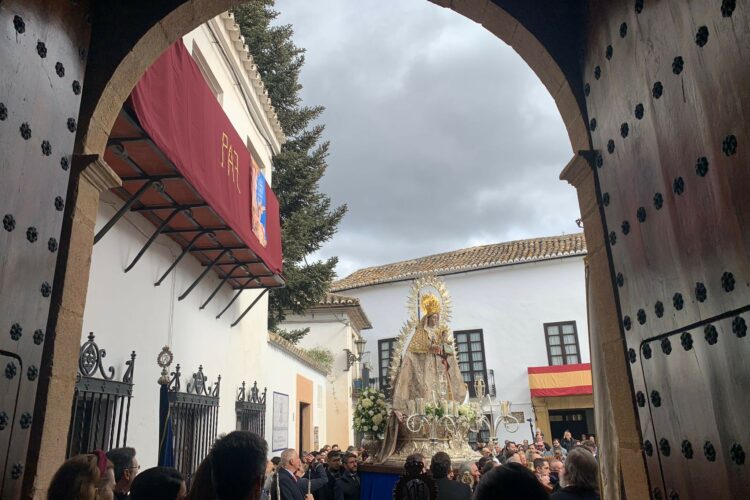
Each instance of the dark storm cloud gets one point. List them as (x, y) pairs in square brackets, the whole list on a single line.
[(441, 136)]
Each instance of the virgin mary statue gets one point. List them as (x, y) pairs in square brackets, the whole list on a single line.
[(424, 366)]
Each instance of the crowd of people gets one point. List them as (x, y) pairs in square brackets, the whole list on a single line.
[(237, 468)]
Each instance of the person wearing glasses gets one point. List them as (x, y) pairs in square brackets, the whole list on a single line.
[(126, 468)]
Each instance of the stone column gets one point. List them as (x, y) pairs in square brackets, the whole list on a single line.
[(90, 176), (621, 460)]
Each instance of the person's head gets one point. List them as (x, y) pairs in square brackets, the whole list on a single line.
[(511, 446), (541, 466), (581, 470), (583, 437), (126, 467), (158, 483), (513, 458), (238, 464), (80, 477), (522, 458), (567, 435), (486, 452), (526, 443), (555, 443), (335, 447), (351, 449), (323, 456), (555, 468), (539, 445), (534, 455), (589, 445), (334, 460), (440, 465), (592, 438), (290, 460), (350, 462), (326, 448), (105, 488), (510, 481), (414, 462), (488, 466)]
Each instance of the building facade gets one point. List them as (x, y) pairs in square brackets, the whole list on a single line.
[(516, 306), (337, 324), (157, 282)]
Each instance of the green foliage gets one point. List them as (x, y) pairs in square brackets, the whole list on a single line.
[(308, 218), (293, 336), (322, 356)]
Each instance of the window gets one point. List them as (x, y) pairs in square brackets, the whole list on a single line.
[(562, 343), (385, 354), (470, 345)]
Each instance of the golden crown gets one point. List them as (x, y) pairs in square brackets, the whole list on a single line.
[(430, 304)]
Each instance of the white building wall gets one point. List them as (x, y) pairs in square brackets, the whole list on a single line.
[(333, 331), (127, 312), (509, 304)]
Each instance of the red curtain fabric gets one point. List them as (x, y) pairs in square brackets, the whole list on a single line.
[(181, 115)]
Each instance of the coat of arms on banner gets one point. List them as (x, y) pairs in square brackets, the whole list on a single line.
[(259, 205)]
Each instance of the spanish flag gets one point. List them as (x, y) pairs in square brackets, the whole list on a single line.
[(562, 380)]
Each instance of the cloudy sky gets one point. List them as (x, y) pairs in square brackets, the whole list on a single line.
[(441, 136)]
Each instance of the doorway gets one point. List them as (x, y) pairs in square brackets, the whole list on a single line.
[(304, 427), (575, 421)]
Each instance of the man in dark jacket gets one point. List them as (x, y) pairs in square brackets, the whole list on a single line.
[(448, 489), (331, 473), (285, 482), (126, 468), (347, 486)]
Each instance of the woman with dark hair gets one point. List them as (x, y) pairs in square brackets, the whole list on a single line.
[(580, 477), (158, 483), (511, 480), (83, 477)]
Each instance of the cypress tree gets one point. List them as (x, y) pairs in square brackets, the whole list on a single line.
[(308, 218)]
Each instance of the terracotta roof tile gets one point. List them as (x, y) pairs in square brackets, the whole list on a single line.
[(468, 259)]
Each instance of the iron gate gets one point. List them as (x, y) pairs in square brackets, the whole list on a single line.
[(194, 417), (101, 405), (251, 410)]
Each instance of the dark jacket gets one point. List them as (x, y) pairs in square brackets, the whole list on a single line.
[(327, 490), (452, 490), (288, 486), (347, 487), (567, 444), (572, 493)]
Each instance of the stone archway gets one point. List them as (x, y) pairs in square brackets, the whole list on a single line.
[(116, 61)]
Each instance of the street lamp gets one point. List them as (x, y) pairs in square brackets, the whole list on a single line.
[(352, 358)]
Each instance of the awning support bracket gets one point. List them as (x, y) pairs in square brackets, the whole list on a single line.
[(179, 258), (203, 274), (224, 280), (236, 295), (123, 210), (155, 235), (250, 307)]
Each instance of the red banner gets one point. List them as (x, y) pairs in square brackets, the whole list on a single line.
[(177, 109)]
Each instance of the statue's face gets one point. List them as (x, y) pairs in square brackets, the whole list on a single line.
[(433, 319)]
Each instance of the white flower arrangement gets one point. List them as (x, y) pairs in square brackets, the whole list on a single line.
[(466, 411), (370, 412)]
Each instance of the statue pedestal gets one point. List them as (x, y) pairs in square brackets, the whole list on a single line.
[(459, 451)]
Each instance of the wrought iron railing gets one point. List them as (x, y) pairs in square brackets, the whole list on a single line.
[(101, 405), (194, 416), (251, 409)]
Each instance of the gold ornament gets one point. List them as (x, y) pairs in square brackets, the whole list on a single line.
[(430, 305)]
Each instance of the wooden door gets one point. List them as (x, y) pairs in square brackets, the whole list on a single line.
[(667, 88), (43, 51)]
